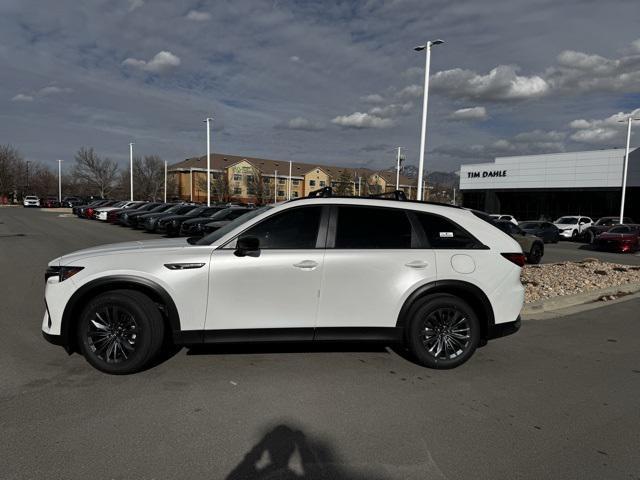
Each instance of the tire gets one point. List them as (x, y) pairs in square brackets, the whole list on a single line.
[(437, 312), (574, 235), (139, 325), (590, 237), (535, 254)]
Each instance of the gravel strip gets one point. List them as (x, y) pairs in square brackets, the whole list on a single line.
[(570, 278)]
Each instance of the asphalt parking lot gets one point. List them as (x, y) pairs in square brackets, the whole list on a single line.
[(557, 400)]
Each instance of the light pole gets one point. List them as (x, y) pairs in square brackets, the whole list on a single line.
[(275, 187), (626, 165), (165, 181), (289, 189), (427, 48), (398, 161), (191, 184), (131, 169), (59, 181), (208, 122), (28, 161)]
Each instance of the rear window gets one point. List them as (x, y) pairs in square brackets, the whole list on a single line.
[(373, 227), (442, 233), (620, 229)]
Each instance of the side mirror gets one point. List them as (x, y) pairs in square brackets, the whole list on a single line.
[(247, 247)]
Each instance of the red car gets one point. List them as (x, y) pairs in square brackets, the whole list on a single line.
[(621, 238)]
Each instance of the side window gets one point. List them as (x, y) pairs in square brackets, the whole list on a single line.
[(370, 227), (443, 233), (295, 228)]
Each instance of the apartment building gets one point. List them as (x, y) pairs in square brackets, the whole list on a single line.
[(258, 180)]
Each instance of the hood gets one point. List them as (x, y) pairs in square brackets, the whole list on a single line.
[(116, 248), (565, 225)]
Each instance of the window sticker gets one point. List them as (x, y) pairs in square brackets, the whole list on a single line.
[(446, 234)]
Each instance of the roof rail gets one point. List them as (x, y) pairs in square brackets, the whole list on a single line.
[(322, 192), (395, 195)]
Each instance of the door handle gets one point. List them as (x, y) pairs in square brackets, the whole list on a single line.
[(306, 265), (417, 264)]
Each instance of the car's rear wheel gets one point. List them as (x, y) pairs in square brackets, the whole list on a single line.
[(443, 332), (120, 331), (590, 237), (535, 254)]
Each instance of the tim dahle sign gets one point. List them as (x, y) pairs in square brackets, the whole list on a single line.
[(487, 174)]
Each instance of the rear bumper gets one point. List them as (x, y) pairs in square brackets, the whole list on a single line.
[(504, 329)]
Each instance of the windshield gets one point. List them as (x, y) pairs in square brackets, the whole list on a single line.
[(195, 212), (221, 232), (530, 225), (567, 220), (606, 221)]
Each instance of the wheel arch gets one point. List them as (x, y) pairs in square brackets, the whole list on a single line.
[(468, 292), (116, 282)]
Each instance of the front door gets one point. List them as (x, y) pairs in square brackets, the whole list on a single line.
[(276, 292)]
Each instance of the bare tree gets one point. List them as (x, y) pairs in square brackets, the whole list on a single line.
[(12, 167), (257, 187), (344, 185), (148, 177), (220, 188), (98, 173)]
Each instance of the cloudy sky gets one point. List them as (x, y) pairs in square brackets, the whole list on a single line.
[(323, 81)]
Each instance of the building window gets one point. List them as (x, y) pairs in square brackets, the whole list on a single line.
[(312, 183), (249, 178), (322, 183), (294, 194), (237, 191), (334, 184), (296, 182), (281, 193), (281, 181), (237, 177), (266, 179), (251, 189)]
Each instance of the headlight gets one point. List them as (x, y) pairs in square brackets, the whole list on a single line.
[(62, 273)]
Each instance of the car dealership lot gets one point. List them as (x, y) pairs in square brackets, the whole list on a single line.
[(558, 399)]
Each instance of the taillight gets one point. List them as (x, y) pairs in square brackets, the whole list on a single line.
[(517, 258), (89, 212)]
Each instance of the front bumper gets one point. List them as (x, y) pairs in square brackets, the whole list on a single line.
[(568, 233)]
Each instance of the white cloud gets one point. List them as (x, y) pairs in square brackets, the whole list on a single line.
[(392, 110), (606, 131), (301, 123), (198, 16), (53, 90), (373, 98), (135, 4), (411, 91), (500, 84), (21, 97), (294, 58), (362, 120), (471, 113), (635, 45), (413, 72), (162, 62)]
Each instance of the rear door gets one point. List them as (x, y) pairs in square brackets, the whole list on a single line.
[(372, 261)]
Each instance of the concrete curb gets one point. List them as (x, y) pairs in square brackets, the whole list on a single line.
[(553, 307)]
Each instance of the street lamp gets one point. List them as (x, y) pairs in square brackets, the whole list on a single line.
[(59, 181), (398, 162), (131, 169), (165, 181), (427, 49), (208, 122), (626, 164)]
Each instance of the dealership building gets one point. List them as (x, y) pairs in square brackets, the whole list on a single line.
[(532, 187)]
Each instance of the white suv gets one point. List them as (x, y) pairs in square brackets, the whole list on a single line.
[(440, 279), (572, 226), (31, 201)]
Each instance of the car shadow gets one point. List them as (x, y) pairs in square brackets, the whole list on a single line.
[(286, 452)]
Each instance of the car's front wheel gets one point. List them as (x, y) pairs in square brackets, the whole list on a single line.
[(120, 331), (535, 254), (443, 332)]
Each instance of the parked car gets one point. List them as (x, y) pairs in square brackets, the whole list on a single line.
[(71, 202), (101, 213), (621, 238), (150, 221), (507, 218), (50, 202), (602, 225), (572, 226), (171, 224), (80, 209), (90, 211), (130, 219), (115, 216), (547, 231), (31, 201), (532, 246), (195, 227), (345, 277)]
